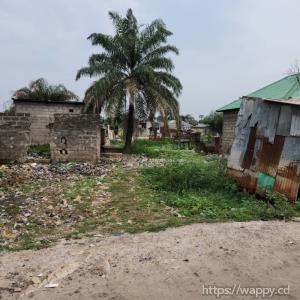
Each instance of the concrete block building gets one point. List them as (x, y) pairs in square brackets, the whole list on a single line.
[(42, 114), (14, 137), (75, 137)]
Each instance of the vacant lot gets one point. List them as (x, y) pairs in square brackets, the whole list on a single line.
[(86, 212), (157, 187)]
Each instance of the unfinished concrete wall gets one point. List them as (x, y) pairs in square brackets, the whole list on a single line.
[(14, 137), (75, 138), (42, 114), (229, 121)]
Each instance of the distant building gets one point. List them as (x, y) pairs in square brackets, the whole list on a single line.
[(202, 128), (42, 114), (172, 124), (285, 88)]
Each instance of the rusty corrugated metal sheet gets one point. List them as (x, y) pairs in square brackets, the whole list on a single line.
[(243, 180), (295, 126), (266, 149), (248, 156), (239, 148), (256, 153), (287, 187), (270, 155), (284, 122), (289, 165)]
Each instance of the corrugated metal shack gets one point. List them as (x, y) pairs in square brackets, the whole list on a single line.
[(265, 154)]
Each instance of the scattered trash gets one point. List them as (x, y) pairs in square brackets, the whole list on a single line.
[(51, 285), (146, 258), (35, 280), (291, 243), (37, 195)]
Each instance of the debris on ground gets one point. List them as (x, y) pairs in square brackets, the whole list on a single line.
[(49, 199), (39, 199)]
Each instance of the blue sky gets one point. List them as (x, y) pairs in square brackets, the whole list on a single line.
[(228, 48)]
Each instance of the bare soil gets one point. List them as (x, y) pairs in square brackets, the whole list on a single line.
[(171, 264)]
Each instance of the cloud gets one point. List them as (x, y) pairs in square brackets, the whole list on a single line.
[(227, 48)]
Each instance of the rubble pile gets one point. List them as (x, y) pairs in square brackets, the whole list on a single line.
[(52, 198), (20, 173)]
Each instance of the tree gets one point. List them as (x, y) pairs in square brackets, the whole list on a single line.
[(189, 119), (214, 120), (132, 71), (42, 91), (295, 70)]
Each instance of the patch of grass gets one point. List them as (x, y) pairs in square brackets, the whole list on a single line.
[(27, 241), (49, 220), (117, 143), (201, 189), (160, 149), (133, 208), (39, 150), (81, 192), (12, 209), (24, 188)]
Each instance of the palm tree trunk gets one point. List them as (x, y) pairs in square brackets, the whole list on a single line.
[(130, 128), (166, 131)]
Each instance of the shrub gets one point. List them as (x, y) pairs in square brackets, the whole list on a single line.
[(39, 150), (193, 175), (201, 188), (280, 206), (160, 149)]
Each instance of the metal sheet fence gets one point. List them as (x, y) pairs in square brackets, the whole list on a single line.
[(265, 154)]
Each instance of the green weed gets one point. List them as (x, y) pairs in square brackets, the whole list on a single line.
[(160, 149), (40, 150), (201, 188)]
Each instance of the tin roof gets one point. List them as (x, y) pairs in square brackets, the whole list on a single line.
[(291, 101), (285, 88)]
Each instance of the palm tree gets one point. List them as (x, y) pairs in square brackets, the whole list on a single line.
[(132, 71), (42, 91)]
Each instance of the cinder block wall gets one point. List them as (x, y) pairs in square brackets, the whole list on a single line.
[(42, 114), (75, 138), (229, 121), (14, 137)]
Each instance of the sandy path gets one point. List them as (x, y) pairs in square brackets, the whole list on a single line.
[(173, 264)]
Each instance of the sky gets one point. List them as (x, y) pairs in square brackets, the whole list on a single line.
[(228, 48)]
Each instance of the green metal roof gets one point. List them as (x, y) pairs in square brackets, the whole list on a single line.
[(284, 88)]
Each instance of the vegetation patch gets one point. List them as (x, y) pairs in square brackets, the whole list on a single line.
[(39, 150), (33, 215), (133, 207), (75, 200), (161, 149), (201, 188)]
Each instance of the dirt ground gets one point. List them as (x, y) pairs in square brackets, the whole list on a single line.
[(172, 264)]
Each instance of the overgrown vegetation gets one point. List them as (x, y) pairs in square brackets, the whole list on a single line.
[(201, 188), (161, 149), (214, 120), (39, 150), (183, 188)]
